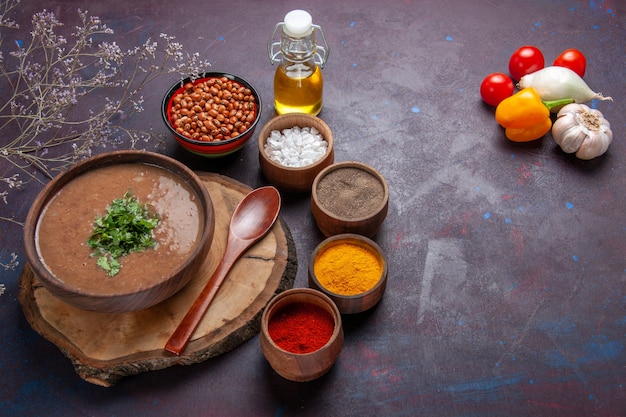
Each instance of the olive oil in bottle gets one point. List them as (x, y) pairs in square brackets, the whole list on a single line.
[(298, 89), (298, 81)]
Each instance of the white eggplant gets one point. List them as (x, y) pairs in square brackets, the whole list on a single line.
[(583, 130), (556, 83)]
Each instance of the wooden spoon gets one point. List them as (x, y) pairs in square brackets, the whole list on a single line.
[(252, 219)]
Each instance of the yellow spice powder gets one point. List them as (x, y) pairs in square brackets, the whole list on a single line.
[(347, 269)]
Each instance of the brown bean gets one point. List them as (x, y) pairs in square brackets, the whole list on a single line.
[(213, 110)]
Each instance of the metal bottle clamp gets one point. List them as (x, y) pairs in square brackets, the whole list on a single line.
[(321, 52)]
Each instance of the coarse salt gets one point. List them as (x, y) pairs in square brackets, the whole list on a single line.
[(296, 147)]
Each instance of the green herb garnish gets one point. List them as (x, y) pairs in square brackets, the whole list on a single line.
[(126, 227)]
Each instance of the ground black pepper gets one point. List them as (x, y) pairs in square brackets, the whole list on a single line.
[(350, 193)]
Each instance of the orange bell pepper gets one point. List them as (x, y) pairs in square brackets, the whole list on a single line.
[(525, 116)]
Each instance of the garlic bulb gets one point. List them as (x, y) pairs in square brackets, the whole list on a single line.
[(583, 130)]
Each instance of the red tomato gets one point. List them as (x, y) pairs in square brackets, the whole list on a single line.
[(495, 88), (525, 60), (572, 59)]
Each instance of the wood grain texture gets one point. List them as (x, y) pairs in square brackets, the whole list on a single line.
[(107, 347)]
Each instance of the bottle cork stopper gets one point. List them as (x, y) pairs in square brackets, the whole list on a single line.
[(298, 23)]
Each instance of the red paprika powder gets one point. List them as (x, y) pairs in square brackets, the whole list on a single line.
[(301, 327)]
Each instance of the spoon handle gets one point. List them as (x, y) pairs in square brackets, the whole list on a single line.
[(179, 339)]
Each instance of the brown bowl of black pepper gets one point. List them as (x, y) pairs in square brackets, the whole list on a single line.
[(212, 115), (349, 197)]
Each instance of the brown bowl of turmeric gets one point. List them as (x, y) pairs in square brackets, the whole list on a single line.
[(351, 270)]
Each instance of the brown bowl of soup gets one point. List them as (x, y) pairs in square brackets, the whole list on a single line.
[(113, 201)]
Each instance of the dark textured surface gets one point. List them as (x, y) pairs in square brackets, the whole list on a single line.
[(507, 262)]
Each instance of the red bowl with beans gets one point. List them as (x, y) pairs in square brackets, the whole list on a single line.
[(213, 115)]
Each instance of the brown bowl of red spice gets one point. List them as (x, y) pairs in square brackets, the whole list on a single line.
[(349, 197), (301, 334), (351, 270)]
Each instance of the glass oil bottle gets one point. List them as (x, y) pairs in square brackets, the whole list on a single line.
[(298, 81)]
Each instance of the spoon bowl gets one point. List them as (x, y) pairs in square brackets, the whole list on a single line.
[(252, 219), (255, 213)]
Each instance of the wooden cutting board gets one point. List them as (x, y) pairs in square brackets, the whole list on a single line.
[(107, 347)]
